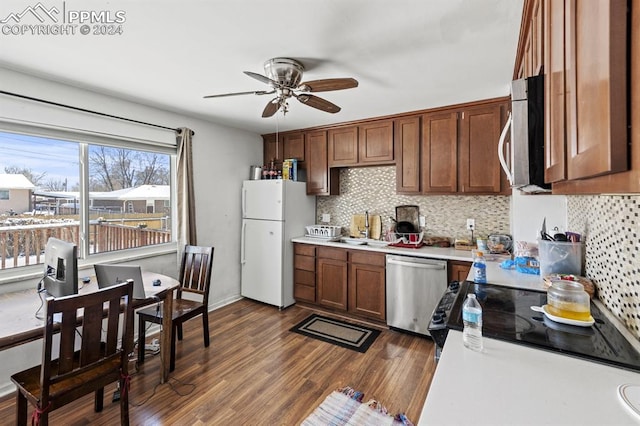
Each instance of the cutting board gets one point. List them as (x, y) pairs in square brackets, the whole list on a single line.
[(357, 225)]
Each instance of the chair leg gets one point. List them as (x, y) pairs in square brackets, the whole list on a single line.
[(124, 404), (21, 410), (205, 328), (172, 360), (98, 400), (179, 328), (141, 338)]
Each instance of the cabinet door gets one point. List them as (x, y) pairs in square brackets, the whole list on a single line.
[(478, 164), (272, 150), (320, 180), (343, 146), (293, 146), (375, 143), (537, 38), (331, 283), (554, 92), (458, 270), (407, 153), (439, 157), (367, 287), (596, 103)]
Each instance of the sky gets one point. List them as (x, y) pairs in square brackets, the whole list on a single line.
[(59, 159)]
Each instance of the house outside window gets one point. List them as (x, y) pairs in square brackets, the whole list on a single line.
[(101, 208), (4, 194)]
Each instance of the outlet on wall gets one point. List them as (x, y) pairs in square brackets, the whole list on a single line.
[(326, 217), (423, 221), (471, 224)]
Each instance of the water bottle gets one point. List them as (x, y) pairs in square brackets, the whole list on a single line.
[(480, 269), (472, 319)]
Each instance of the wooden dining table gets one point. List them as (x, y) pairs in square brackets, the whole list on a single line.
[(19, 324)]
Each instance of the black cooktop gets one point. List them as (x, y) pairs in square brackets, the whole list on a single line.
[(507, 315)]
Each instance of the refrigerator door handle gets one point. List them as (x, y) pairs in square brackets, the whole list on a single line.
[(243, 258), (244, 202)]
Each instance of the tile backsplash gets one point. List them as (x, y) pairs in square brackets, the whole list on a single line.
[(373, 189), (610, 225)]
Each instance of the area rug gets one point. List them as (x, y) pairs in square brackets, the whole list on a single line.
[(347, 335), (344, 407)]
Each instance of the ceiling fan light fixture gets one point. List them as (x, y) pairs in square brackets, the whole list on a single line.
[(285, 71)]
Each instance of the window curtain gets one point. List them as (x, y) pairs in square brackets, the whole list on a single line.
[(185, 193)]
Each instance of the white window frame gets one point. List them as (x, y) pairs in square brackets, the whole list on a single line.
[(85, 138)]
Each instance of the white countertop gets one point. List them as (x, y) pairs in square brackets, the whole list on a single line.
[(510, 384)]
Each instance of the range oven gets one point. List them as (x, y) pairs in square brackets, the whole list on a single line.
[(507, 315)]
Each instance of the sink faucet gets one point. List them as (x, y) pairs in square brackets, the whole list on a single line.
[(366, 225)]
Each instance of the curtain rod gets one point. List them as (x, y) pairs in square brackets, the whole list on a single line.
[(90, 111)]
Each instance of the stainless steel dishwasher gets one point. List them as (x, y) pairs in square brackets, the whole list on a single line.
[(414, 287)]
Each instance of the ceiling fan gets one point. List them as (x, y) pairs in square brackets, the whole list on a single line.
[(284, 76)]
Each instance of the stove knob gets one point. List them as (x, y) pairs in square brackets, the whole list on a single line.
[(441, 312), (437, 319), (454, 286)]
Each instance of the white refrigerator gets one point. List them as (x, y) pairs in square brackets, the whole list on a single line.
[(273, 212)]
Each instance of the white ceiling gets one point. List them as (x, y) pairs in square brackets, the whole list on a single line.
[(406, 54)]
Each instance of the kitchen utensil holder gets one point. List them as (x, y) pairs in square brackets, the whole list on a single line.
[(323, 230)]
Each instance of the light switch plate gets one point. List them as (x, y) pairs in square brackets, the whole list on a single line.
[(471, 224), (326, 217), (423, 221)]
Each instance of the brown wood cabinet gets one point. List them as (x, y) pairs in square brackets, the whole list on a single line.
[(293, 147), (531, 59), (459, 150), (304, 273), (350, 281), (331, 278), (586, 95), (272, 149), (375, 143), (407, 153), (320, 179), (365, 145), (343, 146), (458, 270), (366, 284)]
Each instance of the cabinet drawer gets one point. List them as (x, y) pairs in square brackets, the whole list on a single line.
[(373, 259), (332, 253), (304, 277), (305, 263), (305, 249), (303, 292)]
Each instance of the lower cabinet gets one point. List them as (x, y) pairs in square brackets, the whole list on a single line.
[(458, 270), (351, 281), (304, 272), (366, 284)]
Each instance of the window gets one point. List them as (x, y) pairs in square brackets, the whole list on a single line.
[(4, 194), (117, 196)]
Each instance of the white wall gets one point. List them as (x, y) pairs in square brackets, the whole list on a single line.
[(222, 157), (528, 212)]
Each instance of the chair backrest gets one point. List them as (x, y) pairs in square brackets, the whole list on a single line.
[(84, 317), (195, 271)]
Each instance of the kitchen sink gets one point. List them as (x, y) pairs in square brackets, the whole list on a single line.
[(363, 241)]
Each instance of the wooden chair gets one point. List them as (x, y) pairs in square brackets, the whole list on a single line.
[(195, 274), (98, 362)]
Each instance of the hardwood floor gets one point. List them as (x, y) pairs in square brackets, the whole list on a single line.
[(257, 372)]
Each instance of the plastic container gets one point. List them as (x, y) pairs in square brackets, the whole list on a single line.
[(472, 320), (479, 268), (567, 299), (558, 257)]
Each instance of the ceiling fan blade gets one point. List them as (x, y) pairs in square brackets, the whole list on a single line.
[(319, 103), (272, 107), (262, 78), (328, 84), (259, 92)]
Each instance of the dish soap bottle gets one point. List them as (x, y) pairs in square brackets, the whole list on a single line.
[(480, 269), (472, 319)]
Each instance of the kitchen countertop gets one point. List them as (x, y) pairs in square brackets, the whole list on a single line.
[(510, 384)]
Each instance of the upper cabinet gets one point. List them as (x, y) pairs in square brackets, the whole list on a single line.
[(406, 135), (459, 150), (272, 149), (365, 145), (320, 179), (288, 145), (591, 92)]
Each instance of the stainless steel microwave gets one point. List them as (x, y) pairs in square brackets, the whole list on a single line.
[(522, 158)]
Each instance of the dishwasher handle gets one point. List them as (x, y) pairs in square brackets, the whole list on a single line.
[(416, 264)]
